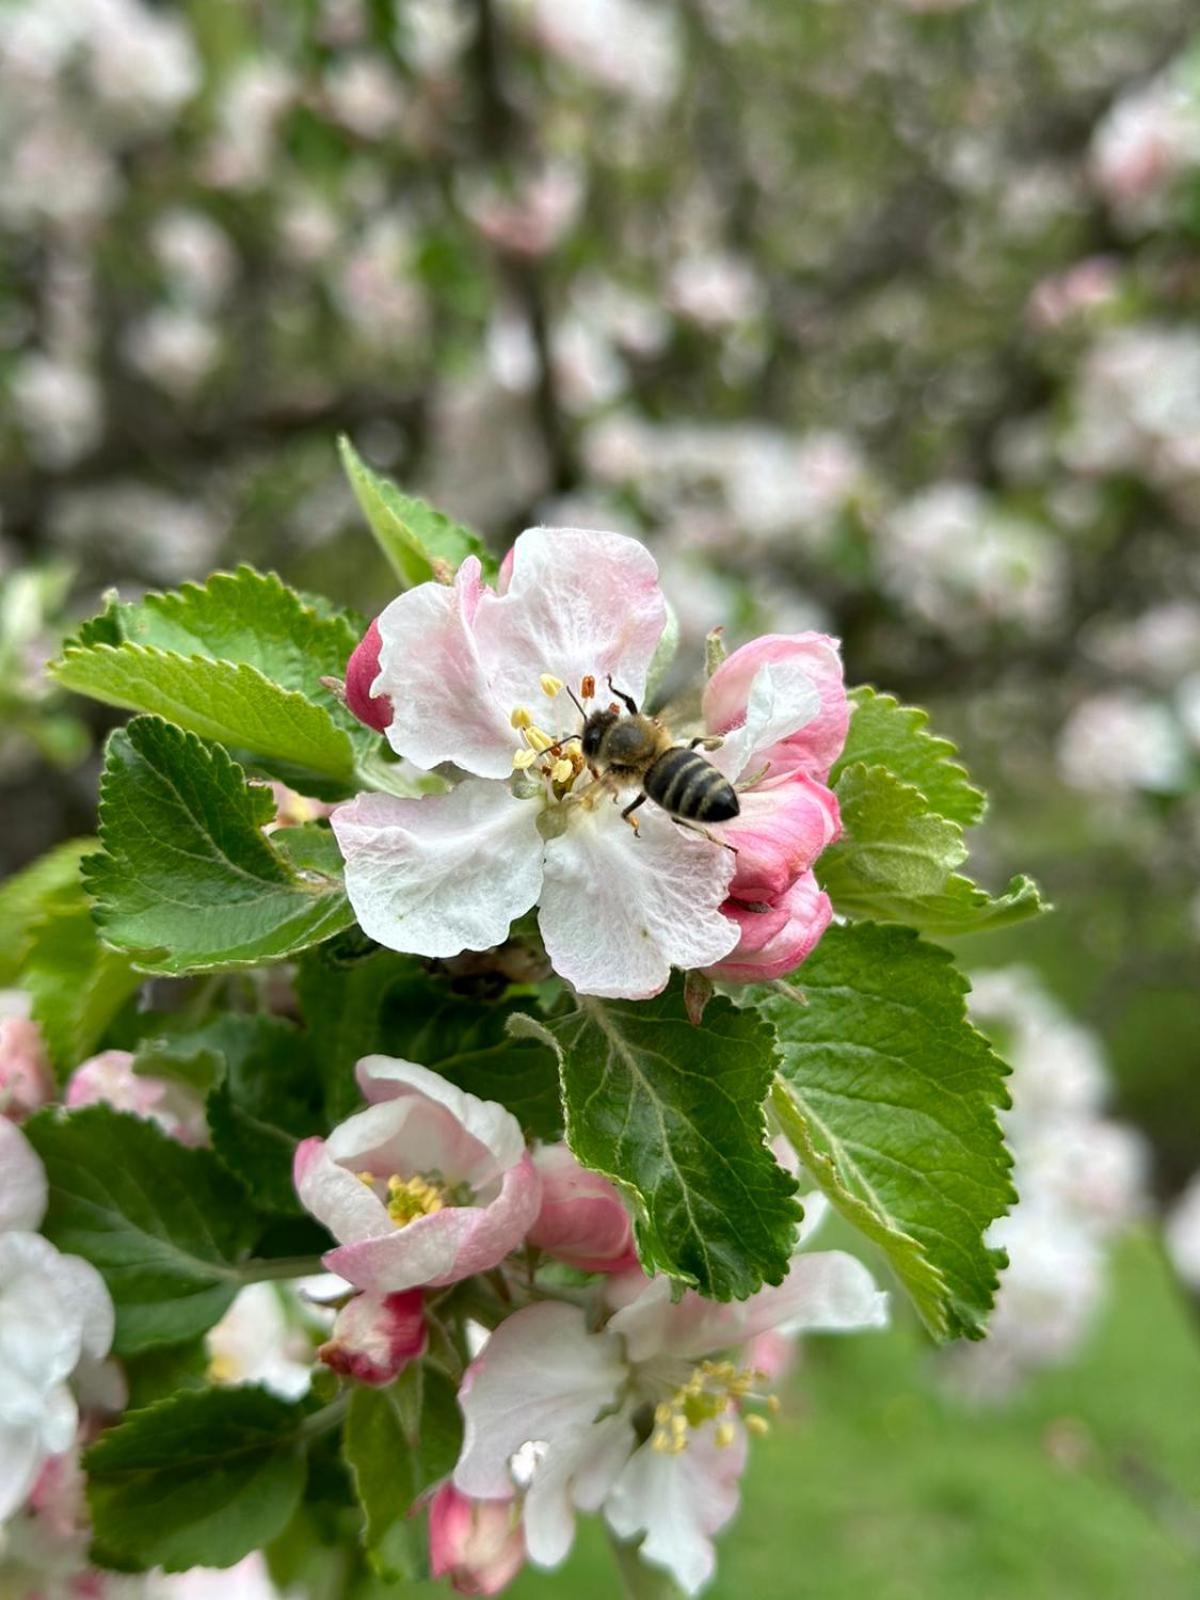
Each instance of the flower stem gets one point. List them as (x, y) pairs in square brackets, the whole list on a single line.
[(638, 1581), (260, 1271)]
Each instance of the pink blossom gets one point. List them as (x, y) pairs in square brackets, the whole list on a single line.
[(110, 1079), (776, 940), (361, 672), (428, 1185), (477, 1544), (784, 825), (463, 665), (376, 1336), (550, 1407), (26, 1076), (583, 1220), (814, 746)]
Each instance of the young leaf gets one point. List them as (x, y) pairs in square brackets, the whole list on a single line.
[(29, 895), (268, 1099), (419, 542), (895, 862), (885, 733), (239, 660), (200, 1479), (188, 881), (889, 1096), (399, 1442), (78, 984), (673, 1114), (164, 1225)]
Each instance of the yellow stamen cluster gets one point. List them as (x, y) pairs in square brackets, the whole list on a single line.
[(714, 1390), (564, 757), (408, 1198)]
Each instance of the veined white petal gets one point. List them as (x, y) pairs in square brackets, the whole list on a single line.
[(22, 1181), (783, 699)]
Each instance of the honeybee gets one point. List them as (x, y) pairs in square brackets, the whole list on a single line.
[(635, 748)]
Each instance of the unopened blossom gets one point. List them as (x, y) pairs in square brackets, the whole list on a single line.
[(477, 1544), (777, 937), (648, 1417), (26, 1076), (426, 1186), (109, 1079), (582, 1220), (479, 678), (56, 1319), (376, 1336)]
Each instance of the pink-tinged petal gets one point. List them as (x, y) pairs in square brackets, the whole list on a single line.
[(21, 1458), (582, 1220), (784, 825), (447, 1246), (442, 874), (783, 700), (504, 575), (414, 1134), (477, 1544), (361, 672), (814, 746), (577, 602), (486, 1122), (109, 1079), (620, 909), (26, 1076), (776, 941), (680, 1502), (440, 676), (773, 1354), (376, 1336), (540, 1381), (827, 1291), (348, 1208), (23, 1187)]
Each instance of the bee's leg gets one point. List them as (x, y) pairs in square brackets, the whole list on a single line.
[(705, 833), (710, 741), (629, 702), (628, 816)]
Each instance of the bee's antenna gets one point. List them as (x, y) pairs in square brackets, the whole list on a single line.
[(578, 703)]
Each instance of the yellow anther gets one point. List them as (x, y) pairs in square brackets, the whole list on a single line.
[(723, 1435), (757, 1424), (410, 1198), (222, 1369), (550, 684), (366, 1177), (774, 1404), (523, 759), (536, 739), (521, 718), (563, 770), (661, 1443)]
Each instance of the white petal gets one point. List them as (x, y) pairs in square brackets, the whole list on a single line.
[(442, 874), (385, 1078), (577, 1473), (21, 1458), (23, 1190), (440, 678), (620, 909), (783, 699), (542, 1378), (816, 1209), (679, 1501), (41, 1327), (828, 1292), (85, 1291), (578, 601)]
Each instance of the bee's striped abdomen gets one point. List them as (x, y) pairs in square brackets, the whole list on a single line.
[(687, 785)]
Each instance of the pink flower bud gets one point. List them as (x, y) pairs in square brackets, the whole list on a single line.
[(376, 1336), (815, 747), (109, 1079), (361, 671), (582, 1220), (775, 941), (26, 1077), (783, 826), (477, 1544)]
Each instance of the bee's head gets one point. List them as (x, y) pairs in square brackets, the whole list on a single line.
[(594, 730)]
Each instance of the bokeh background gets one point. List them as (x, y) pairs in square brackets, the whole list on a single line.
[(879, 316)]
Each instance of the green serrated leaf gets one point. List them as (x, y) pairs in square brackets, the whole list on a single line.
[(889, 1096), (268, 1099), (673, 1114), (200, 1479), (895, 862), (419, 542), (78, 984), (885, 733), (399, 1442), (188, 881), (240, 659), (29, 895), (164, 1225)]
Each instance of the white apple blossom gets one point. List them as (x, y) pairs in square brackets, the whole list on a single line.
[(648, 1418), (1182, 1234), (262, 1339)]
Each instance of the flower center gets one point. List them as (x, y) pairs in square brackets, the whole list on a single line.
[(714, 1390), (558, 762), (418, 1196)]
